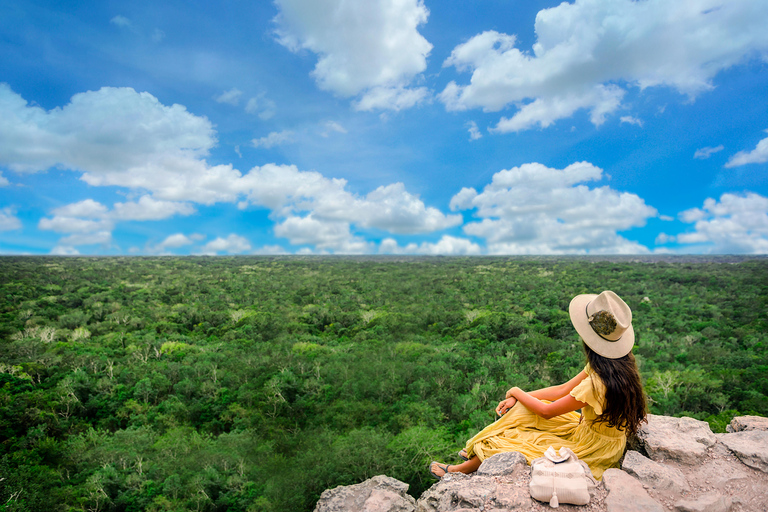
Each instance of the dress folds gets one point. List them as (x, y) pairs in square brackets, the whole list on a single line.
[(520, 430)]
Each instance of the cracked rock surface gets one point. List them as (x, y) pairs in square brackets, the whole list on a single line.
[(675, 464)]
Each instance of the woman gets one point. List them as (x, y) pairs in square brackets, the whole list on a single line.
[(608, 391)]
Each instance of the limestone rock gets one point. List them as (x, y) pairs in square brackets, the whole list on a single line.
[(742, 423), (680, 439), (654, 474), (502, 464), (378, 494), (457, 491), (750, 446), (706, 503), (626, 494)]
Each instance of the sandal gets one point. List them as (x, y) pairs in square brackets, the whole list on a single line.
[(463, 454), (443, 467)]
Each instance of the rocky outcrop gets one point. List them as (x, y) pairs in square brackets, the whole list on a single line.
[(675, 464), (378, 494)]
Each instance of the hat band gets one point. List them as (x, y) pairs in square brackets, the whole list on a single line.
[(586, 311)]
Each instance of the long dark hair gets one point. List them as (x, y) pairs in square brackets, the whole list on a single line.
[(625, 404)]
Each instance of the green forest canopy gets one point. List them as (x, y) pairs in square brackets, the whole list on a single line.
[(254, 383)]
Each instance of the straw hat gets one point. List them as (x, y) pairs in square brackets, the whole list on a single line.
[(604, 322)]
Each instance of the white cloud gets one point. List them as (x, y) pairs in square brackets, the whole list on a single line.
[(230, 97), (175, 241), (327, 235), (233, 244), (118, 137), (391, 98), (362, 47), (120, 21), (533, 209), (706, 152), (88, 209), (60, 250), (62, 224), (274, 139), (288, 191), (8, 220), (758, 155), (631, 120), (270, 250), (148, 208), (4, 181), (446, 246), (474, 132), (737, 224), (585, 48)]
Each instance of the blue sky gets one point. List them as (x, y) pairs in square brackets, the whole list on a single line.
[(384, 127)]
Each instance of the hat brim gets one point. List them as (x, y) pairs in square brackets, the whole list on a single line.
[(610, 349)]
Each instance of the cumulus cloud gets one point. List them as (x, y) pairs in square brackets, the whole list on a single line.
[(373, 47), (8, 220), (706, 152), (3, 181), (118, 137), (533, 209), (231, 97), (737, 224), (446, 246), (177, 240), (148, 208), (585, 48), (233, 244), (758, 155), (322, 234), (60, 250), (273, 139)]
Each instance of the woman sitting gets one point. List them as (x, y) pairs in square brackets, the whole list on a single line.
[(608, 391)]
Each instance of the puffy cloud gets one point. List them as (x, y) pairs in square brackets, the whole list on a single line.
[(118, 137), (94, 238), (324, 235), (758, 155), (261, 106), (231, 97), (60, 250), (706, 152), (737, 224), (446, 246), (175, 241), (533, 209), (363, 47), (88, 209), (148, 208), (233, 244), (583, 49), (288, 191), (63, 224), (273, 139), (3, 181), (8, 220)]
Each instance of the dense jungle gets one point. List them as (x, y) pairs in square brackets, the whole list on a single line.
[(254, 383)]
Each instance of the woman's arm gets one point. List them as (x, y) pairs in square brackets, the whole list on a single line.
[(553, 393), (546, 410)]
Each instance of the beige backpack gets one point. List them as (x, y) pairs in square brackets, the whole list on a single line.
[(560, 477)]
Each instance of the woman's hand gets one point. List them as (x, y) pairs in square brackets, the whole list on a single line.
[(510, 393), (505, 405)]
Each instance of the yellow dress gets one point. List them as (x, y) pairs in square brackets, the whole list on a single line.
[(521, 430)]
